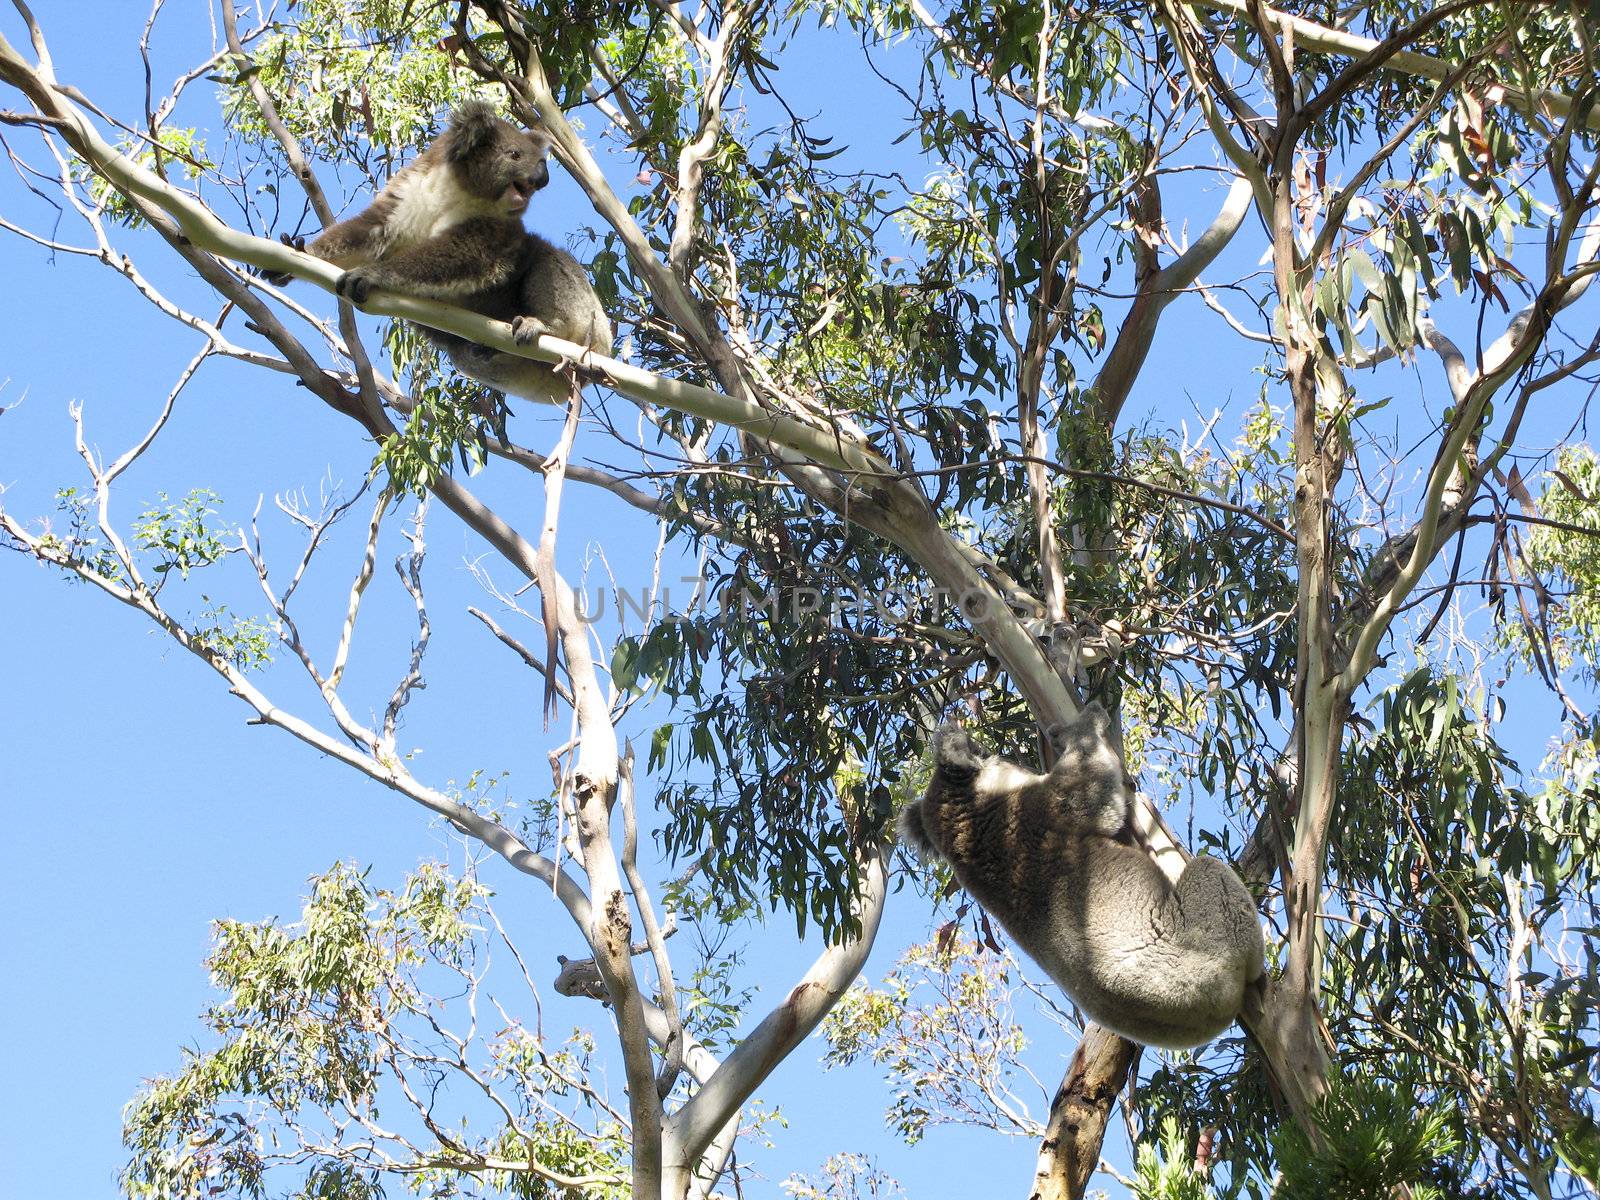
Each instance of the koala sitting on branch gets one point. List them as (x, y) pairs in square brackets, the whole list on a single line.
[(1052, 857), (449, 227)]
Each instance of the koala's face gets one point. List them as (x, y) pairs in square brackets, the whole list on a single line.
[(515, 168), (496, 161)]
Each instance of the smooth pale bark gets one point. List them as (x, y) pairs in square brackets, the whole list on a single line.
[(692, 1130)]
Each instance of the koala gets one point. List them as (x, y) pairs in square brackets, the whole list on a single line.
[(1053, 858), (581, 978), (550, 293), (449, 227)]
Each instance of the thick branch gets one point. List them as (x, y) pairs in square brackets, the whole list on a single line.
[(700, 148), (1132, 347), (1070, 1150)]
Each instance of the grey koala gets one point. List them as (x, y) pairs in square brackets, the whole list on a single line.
[(1053, 858), (449, 227)]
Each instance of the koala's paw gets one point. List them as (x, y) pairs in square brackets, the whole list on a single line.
[(355, 285), (954, 754), (275, 278), (280, 278), (524, 329)]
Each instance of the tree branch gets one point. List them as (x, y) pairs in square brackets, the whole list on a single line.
[(1473, 392), (391, 774), (1128, 353), (691, 1129), (1313, 36), (698, 149)]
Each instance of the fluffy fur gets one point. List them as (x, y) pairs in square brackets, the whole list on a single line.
[(1052, 857), (548, 292), (449, 227)]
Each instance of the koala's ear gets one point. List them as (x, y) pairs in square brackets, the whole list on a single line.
[(1095, 717), (1092, 724), (472, 130)]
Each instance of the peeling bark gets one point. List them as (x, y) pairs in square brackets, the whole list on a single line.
[(1082, 1106)]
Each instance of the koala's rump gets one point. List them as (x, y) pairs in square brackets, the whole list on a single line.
[(547, 283), (501, 302), (1104, 943)]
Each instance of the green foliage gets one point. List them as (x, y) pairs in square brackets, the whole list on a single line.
[(559, 1147), (1375, 1140), (440, 429), (1422, 232), (81, 542), (712, 999), (181, 535), (797, 695), (845, 1177), (340, 1181), (246, 642), (450, 423), (1168, 1173), (177, 154), (1225, 1092), (353, 78), (320, 1031), (1568, 555), (1437, 854), (942, 1031)]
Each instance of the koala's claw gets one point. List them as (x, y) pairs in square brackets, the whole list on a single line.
[(354, 286), (525, 328), (281, 278)]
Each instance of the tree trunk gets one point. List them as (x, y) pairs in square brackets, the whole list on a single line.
[(1079, 1114)]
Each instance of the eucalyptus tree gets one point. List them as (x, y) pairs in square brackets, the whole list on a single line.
[(915, 414)]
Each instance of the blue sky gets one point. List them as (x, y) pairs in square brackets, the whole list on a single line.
[(139, 806)]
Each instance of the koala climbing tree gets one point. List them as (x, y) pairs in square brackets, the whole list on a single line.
[(1053, 858)]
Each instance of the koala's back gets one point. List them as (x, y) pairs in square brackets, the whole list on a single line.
[(556, 289), (1082, 903), (1051, 858)]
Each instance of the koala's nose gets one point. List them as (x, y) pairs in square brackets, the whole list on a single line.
[(540, 176)]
